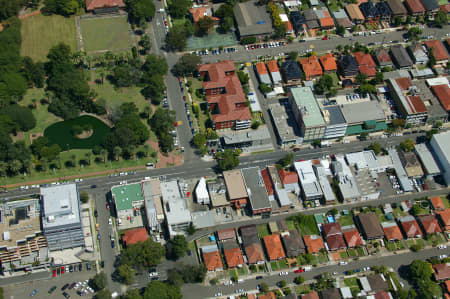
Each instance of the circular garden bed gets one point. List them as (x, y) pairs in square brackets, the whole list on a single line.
[(62, 133)]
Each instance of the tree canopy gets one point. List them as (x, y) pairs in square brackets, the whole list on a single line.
[(177, 247), (186, 65), (140, 11), (142, 254), (407, 145), (162, 122), (228, 160), (179, 8), (99, 281), (161, 290), (60, 7)]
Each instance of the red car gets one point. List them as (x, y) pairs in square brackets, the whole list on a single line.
[(54, 273), (63, 270), (297, 271), (180, 80), (184, 98), (325, 38)]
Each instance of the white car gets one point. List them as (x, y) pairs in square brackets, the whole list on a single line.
[(218, 294), (366, 269), (443, 256), (343, 263), (109, 221), (442, 247), (284, 273)]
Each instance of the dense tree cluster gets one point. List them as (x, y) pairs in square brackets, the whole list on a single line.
[(61, 7), (179, 8), (140, 11), (162, 122), (226, 15), (176, 39), (421, 273), (10, 8), (186, 274), (142, 254), (186, 65), (177, 247)]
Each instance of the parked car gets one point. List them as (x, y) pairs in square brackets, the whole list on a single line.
[(34, 293), (52, 289)]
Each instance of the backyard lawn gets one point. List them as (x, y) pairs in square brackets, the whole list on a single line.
[(263, 230), (346, 220), (307, 225), (290, 225), (106, 34), (40, 33), (352, 283)]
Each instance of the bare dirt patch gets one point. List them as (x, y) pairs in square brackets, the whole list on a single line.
[(85, 134)]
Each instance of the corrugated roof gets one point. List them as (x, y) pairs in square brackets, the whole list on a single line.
[(438, 49), (354, 12), (442, 92)]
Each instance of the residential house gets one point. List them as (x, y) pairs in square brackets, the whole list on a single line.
[(370, 11), (442, 93), (269, 295), (212, 258), (441, 271), (298, 21), (431, 6), (252, 20), (397, 9), (311, 19), (400, 56), (281, 194), (383, 58), (311, 67), (310, 295), (262, 73), (436, 203), (377, 282), (444, 219), (409, 103), (252, 244), (313, 243), (274, 248), (104, 6), (439, 52), (200, 12), (415, 7), (293, 243), (325, 20), (354, 13), (417, 51), (226, 234), (288, 25), (237, 191), (347, 65), (384, 10), (274, 72), (352, 236), (365, 62), (291, 72), (134, 236), (333, 236), (429, 224), (226, 99), (328, 63), (258, 198), (330, 294), (370, 225), (341, 19), (290, 181), (391, 231), (233, 254), (411, 164), (410, 227)]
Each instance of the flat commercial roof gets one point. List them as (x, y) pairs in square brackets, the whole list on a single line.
[(236, 137), (427, 159), (361, 112), (61, 205), (308, 179), (258, 194), (285, 123), (124, 195), (174, 204), (400, 171), (443, 140), (252, 19), (333, 115), (235, 184), (306, 101)]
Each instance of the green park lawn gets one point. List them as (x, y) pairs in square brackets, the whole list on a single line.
[(106, 34), (40, 33)]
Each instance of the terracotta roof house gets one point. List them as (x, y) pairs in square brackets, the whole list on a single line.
[(401, 57), (198, 13), (397, 8), (348, 67), (383, 295), (104, 6), (291, 71), (311, 295), (335, 242), (410, 227), (370, 11), (311, 67), (415, 7), (439, 51), (391, 231), (293, 243), (330, 294), (429, 224), (370, 225), (268, 183), (233, 257), (442, 92), (365, 62), (269, 295), (328, 63), (262, 73), (354, 13), (274, 248), (437, 203), (352, 237), (226, 234), (213, 261), (441, 271), (313, 243), (289, 180), (444, 219), (289, 27), (274, 71), (325, 20), (254, 253), (383, 58), (330, 229), (134, 236), (226, 99)]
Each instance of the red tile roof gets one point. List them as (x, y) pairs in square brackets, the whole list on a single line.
[(445, 8), (226, 234), (437, 203), (365, 63), (95, 4), (335, 242), (430, 224), (272, 66), (233, 257), (254, 253), (411, 228), (441, 271), (438, 49), (415, 6), (212, 260), (404, 83), (442, 92), (416, 104), (267, 181), (326, 22), (392, 233), (270, 295), (331, 229), (134, 236), (367, 70), (261, 68), (383, 56), (382, 295), (311, 295), (289, 27), (311, 67), (445, 218), (328, 62), (447, 285), (313, 243), (353, 238), (274, 248), (288, 177)]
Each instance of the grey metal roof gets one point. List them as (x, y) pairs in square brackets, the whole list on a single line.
[(252, 19), (397, 7), (203, 219), (400, 56), (400, 171), (256, 188), (150, 209), (285, 124), (335, 115), (364, 111), (234, 137), (340, 14)]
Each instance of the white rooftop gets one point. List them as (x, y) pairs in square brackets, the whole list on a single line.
[(61, 205), (201, 192), (308, 179)]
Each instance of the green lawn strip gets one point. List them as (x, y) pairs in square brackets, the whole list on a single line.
[(360, 251), (262, 268), (400, 245), (263, 230), (112, 34), (346, 220), (352, 252), (445, 201), (274, 265), (352, 283), (307, 225), (303, 289), (380, 215), (410, 242), (291, 225), (390, 246), (242, 271), (233, 274), (322, 258), (343, 255), (282, 264), (399, 213), (40, 33)]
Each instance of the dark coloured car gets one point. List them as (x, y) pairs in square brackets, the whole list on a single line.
[(96, 213), (72, 285), (102, 264), (66, 295), (93, 186), (65, 287), (259, 277), (88, 266), (52, 289), (80, 267), (71, 268)]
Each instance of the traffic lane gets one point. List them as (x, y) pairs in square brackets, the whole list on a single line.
[(394, 261), (24, 288)]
